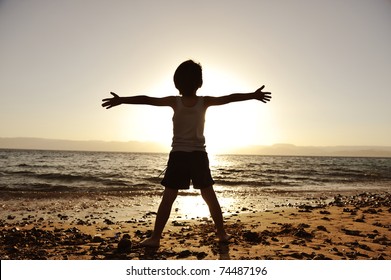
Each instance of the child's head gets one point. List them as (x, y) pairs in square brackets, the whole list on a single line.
[(188, 77)]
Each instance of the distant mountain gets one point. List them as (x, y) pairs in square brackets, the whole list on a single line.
[(52, 144), (151, 147), (292, 150)]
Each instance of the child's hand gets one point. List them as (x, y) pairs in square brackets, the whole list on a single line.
[(111, 102), (262, 96)]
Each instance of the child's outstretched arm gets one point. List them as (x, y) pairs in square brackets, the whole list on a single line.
[(235, 97), (139, 99)]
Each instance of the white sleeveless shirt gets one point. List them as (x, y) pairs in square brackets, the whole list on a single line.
[(188, 125)]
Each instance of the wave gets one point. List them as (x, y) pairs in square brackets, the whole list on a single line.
[(74, 171), (45, 187), (69, 178)]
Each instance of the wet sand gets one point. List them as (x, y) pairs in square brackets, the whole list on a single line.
[(351, 226)]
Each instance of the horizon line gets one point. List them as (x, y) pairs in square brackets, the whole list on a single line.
[(158, 143), (283, 149)]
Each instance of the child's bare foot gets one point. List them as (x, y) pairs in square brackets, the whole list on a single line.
[(151, 242)]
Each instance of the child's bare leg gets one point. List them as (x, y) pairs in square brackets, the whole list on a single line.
[(209, 195), (162, 216)]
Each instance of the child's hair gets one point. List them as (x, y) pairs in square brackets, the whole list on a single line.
[(188, 77)]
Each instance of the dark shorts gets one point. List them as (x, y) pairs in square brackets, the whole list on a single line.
[(184, 167)]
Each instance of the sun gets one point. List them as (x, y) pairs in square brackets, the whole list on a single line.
[(233, 125), (227, 127)]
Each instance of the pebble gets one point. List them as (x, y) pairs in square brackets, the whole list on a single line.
[(109, 222), (97, 238), (303, 234), (363, 200), (178, 224), (351, 232), (184, 254), (252, 236), (322, 228), (201, 255), (125, 244)]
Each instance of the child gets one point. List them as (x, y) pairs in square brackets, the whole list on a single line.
[(188, 159)]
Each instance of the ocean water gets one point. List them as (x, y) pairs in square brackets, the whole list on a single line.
[(141, 173)]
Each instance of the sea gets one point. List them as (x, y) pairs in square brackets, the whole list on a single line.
[(78, 172)]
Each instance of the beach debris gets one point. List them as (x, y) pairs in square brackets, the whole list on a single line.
[(360, 220), (371, 211), (108, 222), (300, 242), (303, 256), (97, 238), (184, 254), (310, 208), (125, 244), (149, 214), (372, 200), (351, 211), (378, 224), (299, 231), (351, 232), (142, 234), (303, 234), (382, 240), (322, 228), (34, 243), (201, 255), (379, 257), (252, 236), (62, 217), (373, 235), (178, 224), (336, 252), (303, 225), (296, 255), (286, 229), (24, 236), (355, 254), (356, 244), (321, 257)]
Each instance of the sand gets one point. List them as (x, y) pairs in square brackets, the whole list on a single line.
[(351, 226)]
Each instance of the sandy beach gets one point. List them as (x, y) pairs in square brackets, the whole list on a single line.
[(347, 226)]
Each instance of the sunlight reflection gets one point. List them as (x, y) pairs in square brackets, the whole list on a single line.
[(190, 205)]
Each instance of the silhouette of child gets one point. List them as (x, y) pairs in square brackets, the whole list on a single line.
[(188, 160)]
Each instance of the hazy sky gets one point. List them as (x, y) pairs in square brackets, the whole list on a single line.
[(327, 64)]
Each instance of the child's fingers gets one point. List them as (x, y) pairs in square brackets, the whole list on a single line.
[(266, 97)]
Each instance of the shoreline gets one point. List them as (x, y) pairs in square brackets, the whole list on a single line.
[(350, 226)]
